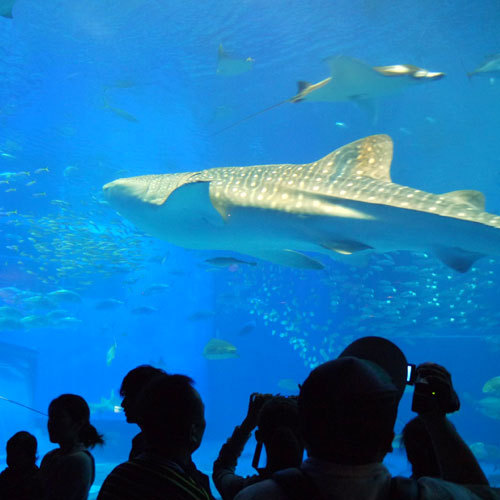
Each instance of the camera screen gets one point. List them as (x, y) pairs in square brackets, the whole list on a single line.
[(410, 374)]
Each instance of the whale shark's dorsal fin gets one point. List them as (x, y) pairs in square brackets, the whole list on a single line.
[(467, 197), (368, 157)]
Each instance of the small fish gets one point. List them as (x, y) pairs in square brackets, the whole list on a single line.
[(107, 304), (30, 183), (68, 321), (60, 203), (485, 452), (110, 355), (121, 84), (10, 324), (39, 195), (8, 175), (70, 170), (159, 259), (10, 190), (117, 111), (57, 314), (10, 312), (35, 321), (247, 328), (65, 295), (201, 315), (288, 385), (155, 289), (228, 262), (492, 386), (490, 406), (131, 281), (217, 349), (41, 170), (144, 310), (123, 114), (39, 302), (7, 155)]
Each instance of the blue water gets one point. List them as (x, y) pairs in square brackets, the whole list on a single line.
[(96, 90)]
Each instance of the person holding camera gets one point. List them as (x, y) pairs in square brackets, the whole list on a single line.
[(278, 431), (434, 397), (348, 408)]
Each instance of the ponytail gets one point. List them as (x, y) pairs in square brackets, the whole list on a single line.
[(89, 435)]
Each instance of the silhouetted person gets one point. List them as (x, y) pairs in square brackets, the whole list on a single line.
[(172, 417), (419, 449), (21, 479), (277, 418), (69, 471), (348, 408), (132, 385)]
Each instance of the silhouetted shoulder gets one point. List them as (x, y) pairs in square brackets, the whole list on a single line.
[(262, 491), (144, 477)]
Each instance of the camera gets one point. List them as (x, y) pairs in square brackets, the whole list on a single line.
[(433, 390), (424, 397), (259, 400)]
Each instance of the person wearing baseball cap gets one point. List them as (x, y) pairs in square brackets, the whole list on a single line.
[(348, 408)]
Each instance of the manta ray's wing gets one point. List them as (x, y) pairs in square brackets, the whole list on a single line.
[(355, 81)]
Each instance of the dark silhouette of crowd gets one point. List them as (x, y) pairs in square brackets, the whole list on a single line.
[(344, 418)]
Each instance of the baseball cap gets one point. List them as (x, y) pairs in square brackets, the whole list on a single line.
[(384, 354)]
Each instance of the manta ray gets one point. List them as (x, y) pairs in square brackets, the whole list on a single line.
[(490, 67), (228, 65), (343, 205), (355, 81)]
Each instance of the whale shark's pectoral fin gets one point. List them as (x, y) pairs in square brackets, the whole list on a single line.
[(285, 257), (456, 258)]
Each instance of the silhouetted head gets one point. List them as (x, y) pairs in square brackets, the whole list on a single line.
[(348, 406), (419, 449), (279, 431), (132, 386), (171, 413), (69, 422), (21, 451)]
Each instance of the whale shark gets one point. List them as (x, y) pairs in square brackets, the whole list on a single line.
[(343, 205)]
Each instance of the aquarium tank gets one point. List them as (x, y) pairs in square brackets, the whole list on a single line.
[(355, 191)]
